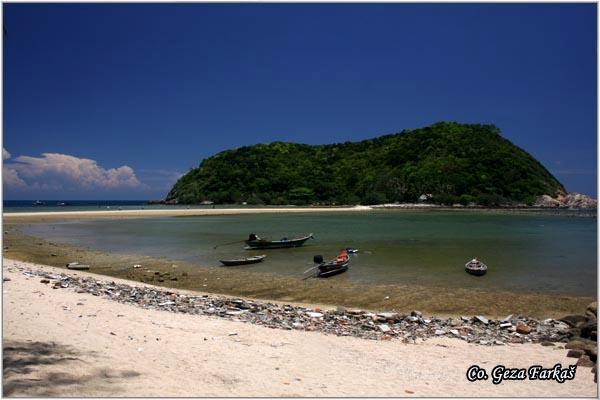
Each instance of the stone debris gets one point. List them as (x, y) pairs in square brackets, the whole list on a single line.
[(342, 322), (582, 331)]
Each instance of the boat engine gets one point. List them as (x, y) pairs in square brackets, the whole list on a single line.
[(318, 259)]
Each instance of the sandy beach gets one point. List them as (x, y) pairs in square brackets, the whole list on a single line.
[(173, 212), (195, 212), (64, 343)]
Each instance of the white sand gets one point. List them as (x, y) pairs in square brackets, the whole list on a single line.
[(166, 212), (156, 353)]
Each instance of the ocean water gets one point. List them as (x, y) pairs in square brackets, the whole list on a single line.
[(12, 206), (524, 253), (71, 205)]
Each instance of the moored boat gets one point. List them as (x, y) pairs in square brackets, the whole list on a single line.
[(333, 267), (255, 242), (243, 260), (476, 267)]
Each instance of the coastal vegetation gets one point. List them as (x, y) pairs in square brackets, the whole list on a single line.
[(445, 163)]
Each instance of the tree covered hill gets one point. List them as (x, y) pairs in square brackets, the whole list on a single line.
[(452, 162)]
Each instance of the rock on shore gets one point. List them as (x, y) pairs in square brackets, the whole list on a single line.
[(583, 335)]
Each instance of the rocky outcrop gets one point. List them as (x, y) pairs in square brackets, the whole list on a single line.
[(579, 201), (583, 337), (571, 201), (546, 201)]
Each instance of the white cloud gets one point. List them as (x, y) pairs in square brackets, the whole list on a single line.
[(11, 178), (62, 171), (5, 154)]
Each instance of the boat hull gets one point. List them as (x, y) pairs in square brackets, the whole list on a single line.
[(244, 261), (476, 272), (276, 244), (332, 272)]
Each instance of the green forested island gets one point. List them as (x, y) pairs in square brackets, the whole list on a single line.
[(444, 163)]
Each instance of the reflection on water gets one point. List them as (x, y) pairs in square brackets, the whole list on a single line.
[(551, 254)]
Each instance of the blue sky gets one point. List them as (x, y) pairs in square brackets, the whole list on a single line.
[(115, 101)]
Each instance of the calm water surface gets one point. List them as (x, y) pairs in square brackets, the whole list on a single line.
[(548, 254)]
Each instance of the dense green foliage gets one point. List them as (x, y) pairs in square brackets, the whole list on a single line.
[(456, 163)]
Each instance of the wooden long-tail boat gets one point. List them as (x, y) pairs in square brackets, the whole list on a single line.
[(255, 242), (333, 267), (243, 260)]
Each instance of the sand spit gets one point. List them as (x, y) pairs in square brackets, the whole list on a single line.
[(174, 212)]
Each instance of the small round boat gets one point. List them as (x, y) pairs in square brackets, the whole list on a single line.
[(476, 267)]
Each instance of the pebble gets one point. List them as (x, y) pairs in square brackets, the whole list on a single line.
[(388, 315), (523, 329)]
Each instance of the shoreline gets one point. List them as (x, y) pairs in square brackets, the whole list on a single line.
[(261, 285), (197, 212), (191, 212), (410, 327), (89, 345)]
